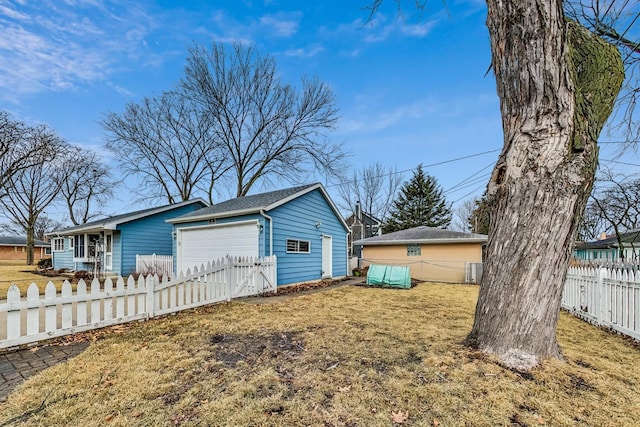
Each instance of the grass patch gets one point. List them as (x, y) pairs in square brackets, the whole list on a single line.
[(350, 356), (23, 275)]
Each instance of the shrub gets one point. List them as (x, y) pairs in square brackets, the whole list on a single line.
[(45, 263)]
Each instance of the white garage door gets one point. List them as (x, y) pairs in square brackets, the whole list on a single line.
[(199, 245)]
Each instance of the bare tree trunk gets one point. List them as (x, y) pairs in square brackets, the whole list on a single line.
[(30, 245), (557, 85)]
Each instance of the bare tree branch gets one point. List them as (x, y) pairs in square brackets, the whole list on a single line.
[(269, 131), (85, 184), (168, 142)]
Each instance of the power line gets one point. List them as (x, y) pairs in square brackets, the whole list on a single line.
[(483, 179), (425, 166), (464, 181)]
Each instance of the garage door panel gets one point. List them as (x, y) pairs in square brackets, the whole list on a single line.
[(204, 244)]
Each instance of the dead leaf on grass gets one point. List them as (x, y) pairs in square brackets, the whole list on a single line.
[(344, 389), (399, 417)]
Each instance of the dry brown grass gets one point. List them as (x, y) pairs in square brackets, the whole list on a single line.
[(23, 275), (343, 357)]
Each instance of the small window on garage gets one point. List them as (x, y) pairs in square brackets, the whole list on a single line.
[(298, 246), (414, 249)]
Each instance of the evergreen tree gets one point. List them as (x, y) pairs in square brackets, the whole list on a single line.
[(420, 202)]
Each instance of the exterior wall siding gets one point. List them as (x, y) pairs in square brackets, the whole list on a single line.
[(436, 263), (146, 236), (63, 259), (297, 220), (117, 253)]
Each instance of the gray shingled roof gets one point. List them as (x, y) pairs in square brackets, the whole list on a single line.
[(422, 234), (253, 203), (21, 241), (122, 218)]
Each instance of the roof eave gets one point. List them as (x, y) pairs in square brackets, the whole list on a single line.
[(418, 241), (219, 215)]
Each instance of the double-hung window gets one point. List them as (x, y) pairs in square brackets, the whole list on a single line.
[(57, 244)]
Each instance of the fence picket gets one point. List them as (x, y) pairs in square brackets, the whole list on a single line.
[(131, 298), (95, 302), (108, 300), (13, 316), (120, 298), (67, 314), (33, 312), (81, 314), (50, 315)]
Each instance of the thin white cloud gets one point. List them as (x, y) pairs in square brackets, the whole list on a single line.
[(12, 13), (228, 29), (304, 53), (366, 121), (121, 90), (56, 46), (381, 28), (282, 24)]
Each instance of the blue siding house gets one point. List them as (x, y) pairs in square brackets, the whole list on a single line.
[(300, 225), (607, 248), (110, 245)]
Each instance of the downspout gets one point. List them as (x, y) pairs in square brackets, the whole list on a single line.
[(270, 230)]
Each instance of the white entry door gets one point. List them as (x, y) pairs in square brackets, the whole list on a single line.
[(327, 255)]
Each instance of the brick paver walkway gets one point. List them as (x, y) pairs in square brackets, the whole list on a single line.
[(17, 366)]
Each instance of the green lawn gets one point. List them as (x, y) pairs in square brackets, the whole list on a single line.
[(351, 356)]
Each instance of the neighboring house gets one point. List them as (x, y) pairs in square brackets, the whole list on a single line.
[(110, 245), (300, 225), (607, 249), (361, 225), (14, 248), (432, 254)]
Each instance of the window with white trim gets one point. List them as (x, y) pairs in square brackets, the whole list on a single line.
[(57, 244), (295, 246), (78, 246), (414, 249)]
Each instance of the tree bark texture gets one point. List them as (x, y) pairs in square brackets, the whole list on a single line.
[(557, 84)]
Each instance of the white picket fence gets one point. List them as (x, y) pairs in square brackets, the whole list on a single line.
[(606, 297), (40, 317), (162, 265)]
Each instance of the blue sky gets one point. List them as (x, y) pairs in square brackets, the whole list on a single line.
[(411, 89)]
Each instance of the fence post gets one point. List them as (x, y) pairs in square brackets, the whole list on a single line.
[(149, 283), (228, 277)]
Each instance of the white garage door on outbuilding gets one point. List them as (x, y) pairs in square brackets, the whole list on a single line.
[(202, 244)]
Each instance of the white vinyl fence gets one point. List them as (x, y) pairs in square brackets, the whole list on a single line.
[(40, 317), (162, 265), (603, 296)]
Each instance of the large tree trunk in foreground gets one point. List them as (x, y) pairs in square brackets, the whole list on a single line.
[(557, 85)]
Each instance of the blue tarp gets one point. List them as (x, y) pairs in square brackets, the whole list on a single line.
[(389, 275)]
